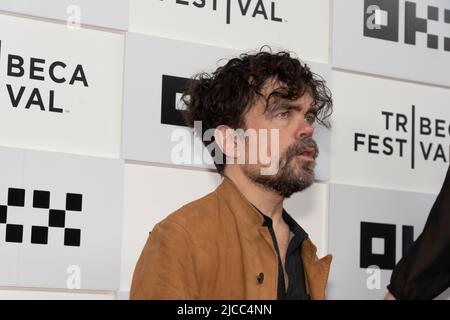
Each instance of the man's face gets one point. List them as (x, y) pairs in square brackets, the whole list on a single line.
[(295, 150)]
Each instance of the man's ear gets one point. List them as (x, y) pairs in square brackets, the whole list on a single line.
[(227, 140)]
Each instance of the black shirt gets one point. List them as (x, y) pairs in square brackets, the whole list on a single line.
[(424, 272), (294, 266)]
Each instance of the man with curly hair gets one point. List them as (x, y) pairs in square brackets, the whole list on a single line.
[(238, 242)]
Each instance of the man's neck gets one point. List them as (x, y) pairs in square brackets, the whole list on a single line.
[(267, 201)]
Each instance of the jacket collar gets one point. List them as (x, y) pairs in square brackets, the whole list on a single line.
[(236, 201)]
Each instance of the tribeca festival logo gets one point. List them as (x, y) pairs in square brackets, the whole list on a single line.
[(189, 150), (41, 202), (378, 249), (378, 244), (39, 71), (416, 137), (382, 21), (247, 8)]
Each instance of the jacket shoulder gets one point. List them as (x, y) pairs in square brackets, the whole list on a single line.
[(198, 212)]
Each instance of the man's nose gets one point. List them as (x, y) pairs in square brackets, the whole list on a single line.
[(305, 130)]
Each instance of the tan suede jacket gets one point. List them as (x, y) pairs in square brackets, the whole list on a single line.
[(217, 248)]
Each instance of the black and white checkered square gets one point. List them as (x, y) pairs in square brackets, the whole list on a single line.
[(56, 217)]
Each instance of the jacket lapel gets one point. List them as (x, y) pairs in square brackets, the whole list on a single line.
[(316, 270)]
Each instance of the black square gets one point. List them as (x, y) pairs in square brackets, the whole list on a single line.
[(413, 24), (433, 13), (56, 218), (14, 233), (447, 15), (407, 239), (39, 235), (432, 41), (3, 214), (370, 230), (41, 199), (447, 44), (74, 201), (72, 237), (385, 32), (16, 197), (172, 85)]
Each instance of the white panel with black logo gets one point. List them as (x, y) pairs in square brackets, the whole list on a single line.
[(60, 89), (407, 39), (60, 220), (301, 25), (369, 231), (156, 73), (389, 133)]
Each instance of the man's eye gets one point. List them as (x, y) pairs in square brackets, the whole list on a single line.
[(310, 118), (283, 115)]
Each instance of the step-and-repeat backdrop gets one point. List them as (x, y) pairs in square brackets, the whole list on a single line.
[(94, 150)]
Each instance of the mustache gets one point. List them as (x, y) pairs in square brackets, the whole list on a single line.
[(300, 147)]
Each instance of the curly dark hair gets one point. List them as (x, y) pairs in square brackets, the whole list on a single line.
[(223, 97)]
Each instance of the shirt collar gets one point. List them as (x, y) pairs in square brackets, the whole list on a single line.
[(293, 225)]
